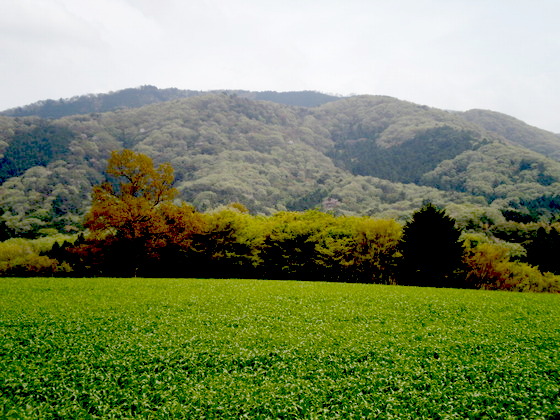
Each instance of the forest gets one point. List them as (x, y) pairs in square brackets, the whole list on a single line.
[(364, 155), (137, 227), (281, 185)]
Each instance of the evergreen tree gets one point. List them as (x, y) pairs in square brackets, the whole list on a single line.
[(431, 250), (543, 250)]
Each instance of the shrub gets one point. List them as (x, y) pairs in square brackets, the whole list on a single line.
[(22, 257), (489, 266)]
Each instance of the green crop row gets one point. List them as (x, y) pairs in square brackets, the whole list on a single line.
[(186, 348)]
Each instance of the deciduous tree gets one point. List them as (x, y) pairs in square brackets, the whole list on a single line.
[(133, 215), (128, 206)]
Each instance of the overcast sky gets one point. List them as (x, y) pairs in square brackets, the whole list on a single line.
[(502, 55)]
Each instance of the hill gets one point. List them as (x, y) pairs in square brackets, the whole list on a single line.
[(147, 95), (516, 131), (371, 155)]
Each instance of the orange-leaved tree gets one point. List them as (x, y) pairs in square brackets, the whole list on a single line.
[(128, 207), (133, 216)]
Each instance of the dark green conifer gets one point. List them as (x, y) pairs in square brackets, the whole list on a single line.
[(431, 250)]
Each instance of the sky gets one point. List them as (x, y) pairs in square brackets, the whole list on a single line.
[(501, 55)]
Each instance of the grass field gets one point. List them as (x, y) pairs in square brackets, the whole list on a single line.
[(183, 348)]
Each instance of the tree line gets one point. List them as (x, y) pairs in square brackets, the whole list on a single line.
[(136, 227)]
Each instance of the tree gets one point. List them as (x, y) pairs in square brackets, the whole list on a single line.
[(358, 249), (431, 250), (226, 247), (128, 206), (543, 250), (133, 219), (287, 248), (490, 265)]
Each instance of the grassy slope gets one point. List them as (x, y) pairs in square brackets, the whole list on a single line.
[(233, 348)]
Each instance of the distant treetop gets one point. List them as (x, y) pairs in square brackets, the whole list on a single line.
[(147, 95)]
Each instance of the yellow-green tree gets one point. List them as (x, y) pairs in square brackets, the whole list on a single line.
[(489, 265), (360, 249)]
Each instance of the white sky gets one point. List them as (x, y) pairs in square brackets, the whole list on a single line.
[(502, 55)]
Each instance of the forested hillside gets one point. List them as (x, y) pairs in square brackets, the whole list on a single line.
[(363, 155), (516, 131), (147, 95)]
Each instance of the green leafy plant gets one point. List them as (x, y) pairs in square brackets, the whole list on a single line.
[(185, 348)]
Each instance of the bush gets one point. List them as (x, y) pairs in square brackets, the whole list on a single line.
[(489, 266), (22, 257)]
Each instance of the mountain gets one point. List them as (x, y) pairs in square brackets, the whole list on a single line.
[(516, 131), (372, 155), (147, 95)]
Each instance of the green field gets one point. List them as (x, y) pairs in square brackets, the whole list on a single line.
[(183, 348)]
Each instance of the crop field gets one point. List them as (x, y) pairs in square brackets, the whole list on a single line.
[(186, 348)]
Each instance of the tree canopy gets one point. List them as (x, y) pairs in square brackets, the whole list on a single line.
[(137, 229), (130, 205), (133, 215), (371, 155), (431, 249)]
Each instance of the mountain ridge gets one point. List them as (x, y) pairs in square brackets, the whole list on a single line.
[(365, 154), (147, 95)]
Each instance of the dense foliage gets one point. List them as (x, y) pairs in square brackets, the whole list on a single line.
[(516, 131), (431, 250), (308, 246), (32, 146), (364, 155), (135, 228), (146, 95), (161, 348), (406, 162)]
